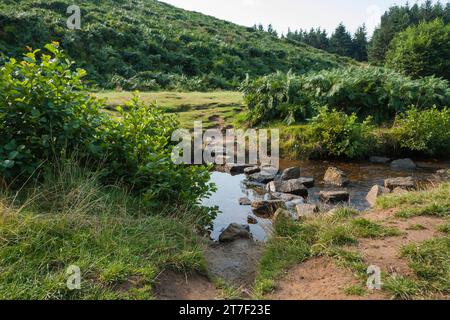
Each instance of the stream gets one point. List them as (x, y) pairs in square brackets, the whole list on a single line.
[(363, 176)]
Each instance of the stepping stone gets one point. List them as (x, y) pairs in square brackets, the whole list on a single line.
[(334, 196), (289, 186), (266, 208), (235, 231), (245, 202), (335, 176), (406, 183), (403, 164), (290, 173)]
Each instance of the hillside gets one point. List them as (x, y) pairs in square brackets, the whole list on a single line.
[(147, 44)]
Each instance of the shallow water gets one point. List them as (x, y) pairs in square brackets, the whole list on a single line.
[(363, 176)]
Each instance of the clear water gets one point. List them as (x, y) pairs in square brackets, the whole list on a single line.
[(363, 176)]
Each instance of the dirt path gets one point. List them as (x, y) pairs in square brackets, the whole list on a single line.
[(320, 278)]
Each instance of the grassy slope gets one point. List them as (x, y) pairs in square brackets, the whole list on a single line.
[(333, 235), (218, 108), (128, 37), (119, 244)]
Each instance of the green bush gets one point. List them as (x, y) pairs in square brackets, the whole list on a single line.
[(43, 112), (426, 131), (275, 96), (46, 115), (422, 50), (366, 91), (335, 134)]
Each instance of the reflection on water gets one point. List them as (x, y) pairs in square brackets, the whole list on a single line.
[(362, 177)]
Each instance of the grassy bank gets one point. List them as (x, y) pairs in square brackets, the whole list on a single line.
[(337, 235), (218, 108), (119, 243)]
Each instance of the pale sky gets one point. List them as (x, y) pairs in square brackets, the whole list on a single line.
[(296, 14)]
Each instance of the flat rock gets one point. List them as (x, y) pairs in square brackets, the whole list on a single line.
[(289, 186), (285, 196), (245, 201), (262, 178), (290, 173), (334, 196), (403, 164), (267, 208), (379, 160), (306, 210), (307, 182), (235, 231), (253, 184), (406, 183), (374, 193), (233, 168), (335, 176), (252, 170)]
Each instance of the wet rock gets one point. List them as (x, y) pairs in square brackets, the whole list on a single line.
[(379, 160), (285, 196), (406, 183), (306, 210), (335, 176), (282, 213), (442, 175), (252, 220), (334, 196), (403, 164), (292, 204), (262, 178), (399, 190), (235, 231), (290, 173), (374, 193), (253, 184), (252, 170), (307, 182), (245, 201), (289, 186), (233, 168), (266, 208)]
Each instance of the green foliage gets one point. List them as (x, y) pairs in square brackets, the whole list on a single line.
[(422, 50), (149, 45), (47, 115), (426, 131), (335, 134), (398, 19), (366, 91), (43, 112)]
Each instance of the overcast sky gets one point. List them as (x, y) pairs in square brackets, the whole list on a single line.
[(295, 14)]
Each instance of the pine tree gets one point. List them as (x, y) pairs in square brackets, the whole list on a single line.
[(341, 41), (360, 44)]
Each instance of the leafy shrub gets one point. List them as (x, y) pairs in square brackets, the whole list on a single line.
[(43, 112), (422, 50), (46, 115), (426, 131), (276, 96), (366, 91), (331, 134)]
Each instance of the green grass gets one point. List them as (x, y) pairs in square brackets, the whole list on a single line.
[(119, 244), (430, 262), (219, 108), (355, 290), (296, 242), (429, 202)]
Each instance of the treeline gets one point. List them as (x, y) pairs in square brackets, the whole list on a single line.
[(398, 19), (341, 41)]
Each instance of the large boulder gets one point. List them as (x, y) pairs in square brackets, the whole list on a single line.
[(235, 169), (266, 208), (290, 173), (335, 176), (405, 183), (403, 164), (306, 210), (289, 186), (380, 160), (262, 178), (307, 182), (235, 231), (334, 196), (252, 170), (374, 193)]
